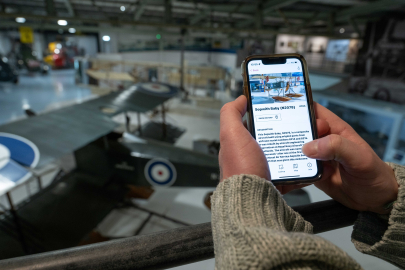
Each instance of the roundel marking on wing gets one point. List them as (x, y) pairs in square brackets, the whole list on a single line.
[(160, 172), (16, 154), (157, 89), (21, 150)]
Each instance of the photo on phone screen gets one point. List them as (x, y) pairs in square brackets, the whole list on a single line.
[(281, 117)]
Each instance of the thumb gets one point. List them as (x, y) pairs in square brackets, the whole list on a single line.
[(231, 114), (338, 148)]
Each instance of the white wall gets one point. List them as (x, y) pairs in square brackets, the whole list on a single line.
[(225, 60), (125, 38), (109, 46), (5, 44), (120, 39), (283, 42), (318, 43)]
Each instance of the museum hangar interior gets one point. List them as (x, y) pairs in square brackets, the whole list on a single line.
[(110, 117)]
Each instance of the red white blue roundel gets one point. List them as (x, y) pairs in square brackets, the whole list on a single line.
[(157, 89), (16, 154), (160, 172)]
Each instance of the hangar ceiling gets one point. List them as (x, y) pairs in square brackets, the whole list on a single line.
[(321, 17)]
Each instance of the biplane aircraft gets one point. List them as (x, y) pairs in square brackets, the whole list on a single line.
[(70, 129), (107, 162), (281, 84)]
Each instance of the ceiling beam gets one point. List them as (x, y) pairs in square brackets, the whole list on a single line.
[(123, 30), (235, 10), (83, 28), (332, 22), (69, 7), (245, 23), (199, 17), (269, 6), (50, 7), (140, 9), (93, 3), (168, 11), (356, 27), (295, 17), (336, 2), (361, 10), (162, 25), (309, 21), (277, 4), (282, 15), (259, 14)]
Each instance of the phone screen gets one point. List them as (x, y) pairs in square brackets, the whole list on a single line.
[(281, 117)]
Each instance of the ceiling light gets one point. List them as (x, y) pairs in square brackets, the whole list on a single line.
[(122, 8), (62, 22), (342, 30), (72, 30), (20, 20), (106, 38)]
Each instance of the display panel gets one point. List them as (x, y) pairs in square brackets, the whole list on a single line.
[(281, 117)]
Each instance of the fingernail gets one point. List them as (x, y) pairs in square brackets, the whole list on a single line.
[(310, 149)]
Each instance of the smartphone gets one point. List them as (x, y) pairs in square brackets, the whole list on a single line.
[(281, 115)]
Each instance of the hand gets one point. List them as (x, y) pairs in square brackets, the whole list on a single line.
[(353, 174), (240, 153)]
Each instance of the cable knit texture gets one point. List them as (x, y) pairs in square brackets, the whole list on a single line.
[(254, 228), (384, 237)]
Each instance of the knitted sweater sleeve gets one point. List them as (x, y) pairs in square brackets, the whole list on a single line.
[(254, 228), (384, 236)]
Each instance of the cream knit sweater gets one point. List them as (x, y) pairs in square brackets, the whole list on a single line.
[(254, 228)]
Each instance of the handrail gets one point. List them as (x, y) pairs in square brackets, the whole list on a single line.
[(165, 249)]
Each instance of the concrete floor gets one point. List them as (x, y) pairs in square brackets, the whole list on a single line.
[(39, 93), (43, 93)]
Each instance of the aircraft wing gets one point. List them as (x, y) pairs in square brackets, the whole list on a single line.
[(110, 75), (135, 99), (63, 131)]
